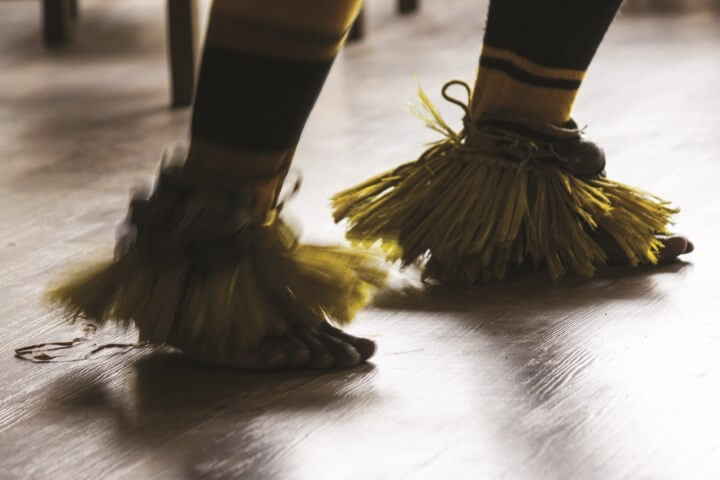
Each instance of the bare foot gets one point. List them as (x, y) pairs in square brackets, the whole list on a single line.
[(673, 247), (323, 347)]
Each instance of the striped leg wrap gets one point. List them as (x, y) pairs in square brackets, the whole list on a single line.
[(535, 55), (263, 66)]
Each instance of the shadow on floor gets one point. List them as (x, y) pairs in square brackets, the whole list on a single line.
[(186, 413), (168, 384), (533, 290)]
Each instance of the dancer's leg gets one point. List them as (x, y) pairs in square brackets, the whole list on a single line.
[(209, 268), (534, 58), (519, 184), (264, 64), (535, 55)]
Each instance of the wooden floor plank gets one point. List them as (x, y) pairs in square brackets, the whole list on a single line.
[(613, 378)]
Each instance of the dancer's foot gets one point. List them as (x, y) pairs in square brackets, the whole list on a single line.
[(323, 347), (521, 192), (673, 247), (584, 158)]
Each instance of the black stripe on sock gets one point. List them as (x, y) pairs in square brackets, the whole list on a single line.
[(255, 102), (552, 33), (526, 77)]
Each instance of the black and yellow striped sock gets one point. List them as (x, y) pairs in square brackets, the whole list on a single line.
[(535, 54), (263, 66)]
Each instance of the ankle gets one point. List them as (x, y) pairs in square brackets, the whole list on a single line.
[(522, 138), (529, 126), (196, 169), (495, 93)]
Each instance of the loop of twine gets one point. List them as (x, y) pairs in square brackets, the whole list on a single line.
[(463, 105), (515, 146)]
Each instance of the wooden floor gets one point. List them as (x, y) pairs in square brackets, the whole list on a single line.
[(616, 378)]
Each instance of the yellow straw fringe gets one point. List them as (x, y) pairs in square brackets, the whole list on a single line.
[(227, 305), (476, 213), (210, 307)]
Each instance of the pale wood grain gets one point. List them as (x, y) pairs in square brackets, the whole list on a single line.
[(616, 378)]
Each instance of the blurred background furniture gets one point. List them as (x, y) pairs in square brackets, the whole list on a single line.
[(182, 33), (358, 29), (183, 40)]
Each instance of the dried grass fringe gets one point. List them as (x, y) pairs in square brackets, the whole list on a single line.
[(475, 213), (219, 305)]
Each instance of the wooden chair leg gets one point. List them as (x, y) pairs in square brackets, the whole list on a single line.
[(358, 29), (56, 22), (182, 48), (407, 6), (74, 9)]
